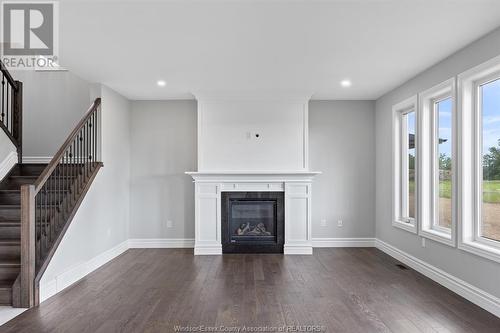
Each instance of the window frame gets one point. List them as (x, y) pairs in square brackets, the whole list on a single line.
[(400, 140), (470, 171), (429, 163)]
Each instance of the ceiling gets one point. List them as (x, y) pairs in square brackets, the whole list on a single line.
[(264, 47)]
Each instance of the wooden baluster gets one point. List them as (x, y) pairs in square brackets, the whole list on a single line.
[(17, 118)]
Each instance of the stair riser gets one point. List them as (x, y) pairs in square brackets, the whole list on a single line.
[(9, 273), (10, 251), (5, 297), (10, 198), (10, 214), (15, 198), (56, 183), (10, 232), (66, 171), (49, 186)]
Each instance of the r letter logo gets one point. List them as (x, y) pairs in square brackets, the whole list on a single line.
[(29, 31)]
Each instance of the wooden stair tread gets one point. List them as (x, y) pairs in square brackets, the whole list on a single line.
[(5, 223), (10, 242), (6, 263)]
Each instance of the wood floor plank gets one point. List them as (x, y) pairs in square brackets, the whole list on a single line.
[(339, 290)]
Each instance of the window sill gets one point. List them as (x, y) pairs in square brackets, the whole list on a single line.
[(480, 249), (408, 226), (438, 236)]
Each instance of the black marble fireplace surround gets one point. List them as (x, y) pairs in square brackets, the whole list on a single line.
[(252, 222)]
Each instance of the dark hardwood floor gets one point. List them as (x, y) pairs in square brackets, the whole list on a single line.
[(340, 290)]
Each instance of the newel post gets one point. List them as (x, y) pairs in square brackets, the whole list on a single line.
[(27, 276), (17, 121)]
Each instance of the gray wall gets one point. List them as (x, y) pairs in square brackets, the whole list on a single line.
[(468, 267), (53, 103), (163, 146), (102, 221), (342, 147)]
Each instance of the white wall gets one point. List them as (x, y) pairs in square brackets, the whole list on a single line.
[(163, 146), (342, 147), (475, 270), (53, 103), (6, 150), (225, 143), (102, 222)]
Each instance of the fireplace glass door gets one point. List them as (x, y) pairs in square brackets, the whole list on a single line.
[(252, 220)]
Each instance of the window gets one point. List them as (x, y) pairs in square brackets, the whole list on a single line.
[(489, 109), (437, 158), (444, 166), (479, 100), (405, 165)]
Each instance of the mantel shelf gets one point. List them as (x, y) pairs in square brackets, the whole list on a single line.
[(252, 176)]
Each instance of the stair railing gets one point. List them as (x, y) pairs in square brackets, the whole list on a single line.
[(11, 106), (48, 206)]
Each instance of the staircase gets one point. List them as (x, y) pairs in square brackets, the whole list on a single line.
[(10, 225), (39, 201)]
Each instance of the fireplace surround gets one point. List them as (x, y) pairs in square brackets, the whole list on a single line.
[(295, 187), (252, 222)]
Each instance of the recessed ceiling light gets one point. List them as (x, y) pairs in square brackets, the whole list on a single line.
[(345, 83), (161, 83)]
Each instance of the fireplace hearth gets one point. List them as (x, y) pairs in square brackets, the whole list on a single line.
[(252, 222)]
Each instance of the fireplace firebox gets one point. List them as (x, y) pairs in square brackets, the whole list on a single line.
[(252, 222)]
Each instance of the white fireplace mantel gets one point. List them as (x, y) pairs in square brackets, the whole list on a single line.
[(296, 185)]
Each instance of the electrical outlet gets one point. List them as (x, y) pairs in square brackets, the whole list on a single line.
[(423, 242), (323, 222), (340, 223), (170, 224)]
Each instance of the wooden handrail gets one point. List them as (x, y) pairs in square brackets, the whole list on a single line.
[(60, 153)]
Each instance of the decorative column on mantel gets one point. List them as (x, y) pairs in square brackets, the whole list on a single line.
[(296, 186)]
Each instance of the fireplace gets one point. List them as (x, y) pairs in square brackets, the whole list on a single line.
[(252, 222)]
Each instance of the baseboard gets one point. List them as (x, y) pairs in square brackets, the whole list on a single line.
[(7, 164), (343, 242), (477, 296), (79, 271), (37, 159), (297, 250), (161, 243)]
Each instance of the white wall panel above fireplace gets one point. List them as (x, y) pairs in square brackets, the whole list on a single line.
[(252, 135)]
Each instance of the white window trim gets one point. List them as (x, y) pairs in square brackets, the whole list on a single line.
[(470, 168), (428, 160), (398, 109)]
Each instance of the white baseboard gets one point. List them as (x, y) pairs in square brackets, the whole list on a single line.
[(8, 163), (475, 295), (161, 243), (297, 250), (343, 242), (37, 159), (78, 271), (207, 250)]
